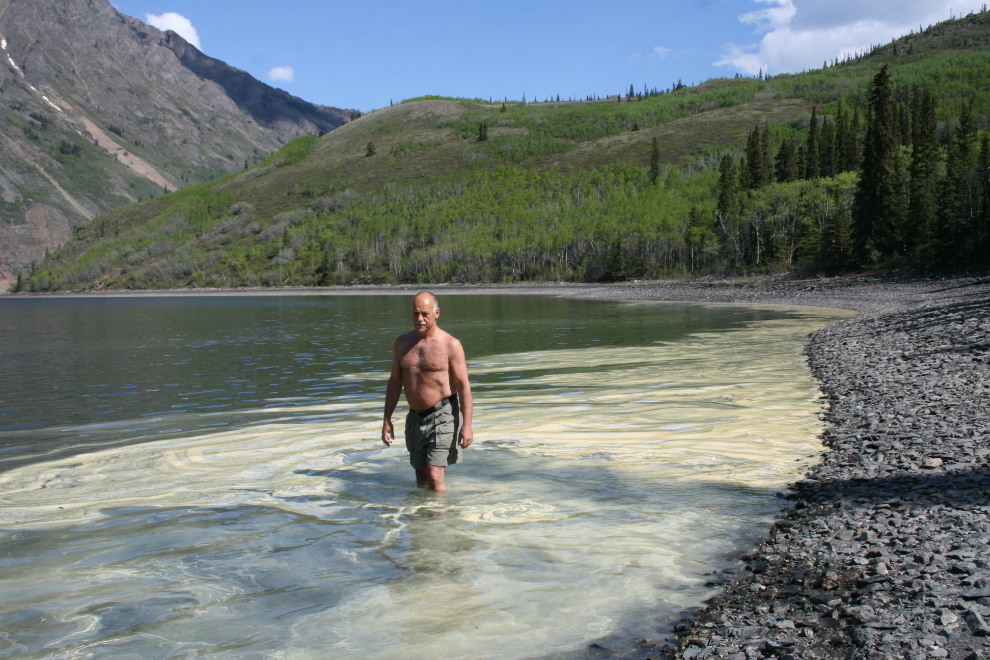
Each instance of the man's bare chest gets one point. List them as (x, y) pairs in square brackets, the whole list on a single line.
[(426, 358)]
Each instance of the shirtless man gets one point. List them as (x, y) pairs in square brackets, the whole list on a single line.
[(430, 365)]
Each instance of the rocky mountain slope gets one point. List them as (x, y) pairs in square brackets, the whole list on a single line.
[(99, 110)]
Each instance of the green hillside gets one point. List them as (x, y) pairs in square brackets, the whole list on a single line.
[(463, 190)]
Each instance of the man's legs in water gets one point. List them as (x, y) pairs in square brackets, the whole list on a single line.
[(432, 476)]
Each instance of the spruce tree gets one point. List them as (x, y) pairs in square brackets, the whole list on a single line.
[(694, 236), (850, 148), (786, 163), (836, 246), (923, 199), (827, 149), (895, 127), (756, 175), (876, 213), (767, 156), (745, 181), (905, 125), (728, 204), (654, 173), (617, 262), (841, 127), (959, 190), (811, 149)]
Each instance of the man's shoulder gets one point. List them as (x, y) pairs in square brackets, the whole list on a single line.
[(406, 339), (450, 341)]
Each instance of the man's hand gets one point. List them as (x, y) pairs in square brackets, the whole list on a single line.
[(467, 437), (388, 433)]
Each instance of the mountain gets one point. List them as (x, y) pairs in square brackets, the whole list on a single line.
[(435, 190), (99, 110)]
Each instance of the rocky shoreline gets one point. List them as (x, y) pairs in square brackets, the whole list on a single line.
[(883, 551)]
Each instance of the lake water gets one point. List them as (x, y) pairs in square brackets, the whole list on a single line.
[(203, 476)]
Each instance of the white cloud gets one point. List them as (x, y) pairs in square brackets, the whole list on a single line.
[(177, 23), (635, 57), (281, 74), (660, 51), (801, 34)]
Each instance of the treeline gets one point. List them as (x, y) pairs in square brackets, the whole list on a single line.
[(612, 223), (929, 204), (917, 197)]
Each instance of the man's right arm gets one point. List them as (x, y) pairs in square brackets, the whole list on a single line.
[(392, 392)]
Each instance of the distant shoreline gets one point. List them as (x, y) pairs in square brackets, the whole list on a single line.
[(856, 293)]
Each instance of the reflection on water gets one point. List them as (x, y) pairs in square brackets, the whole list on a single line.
[(606, 481)]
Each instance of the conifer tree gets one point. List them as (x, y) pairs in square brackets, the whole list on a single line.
[(877, 212), (895, 127), (786, 163), (695, 236), (744, 180), (923, 199), (371, 149), (841, 127), (905, 125), (850, 144), (811, 148), (767, 156), (756, 168), (727, 212), (959, 189), (617, 262), (654, 173), (837, 232)]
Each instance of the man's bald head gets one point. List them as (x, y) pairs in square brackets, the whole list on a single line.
[(426, 298), (425, 313)]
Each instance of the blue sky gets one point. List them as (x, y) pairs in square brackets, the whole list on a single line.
[(365, 54)]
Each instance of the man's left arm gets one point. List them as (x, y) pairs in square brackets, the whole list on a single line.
[(461, 385)]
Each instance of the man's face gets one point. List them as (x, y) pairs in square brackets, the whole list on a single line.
[(425, 314)]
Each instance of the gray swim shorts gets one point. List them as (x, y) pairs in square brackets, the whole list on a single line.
[(431, 435)]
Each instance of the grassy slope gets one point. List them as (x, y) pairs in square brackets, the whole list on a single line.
[(429, 150)]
